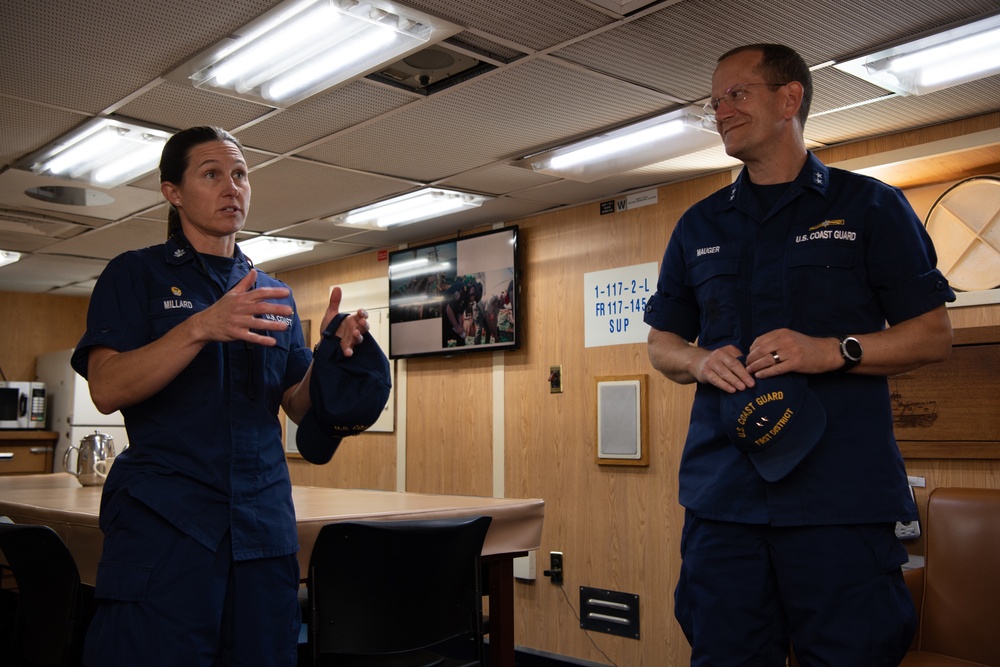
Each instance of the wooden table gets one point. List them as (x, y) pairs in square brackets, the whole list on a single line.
[(58, 500)]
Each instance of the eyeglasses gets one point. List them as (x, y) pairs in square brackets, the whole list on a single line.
[(733, 96)]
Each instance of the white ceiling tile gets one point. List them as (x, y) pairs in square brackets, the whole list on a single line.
[(176, 107), (126, 200), (322, 116), (292, 191), (496, 179), (37, 273), (499, 115), (112, 240)]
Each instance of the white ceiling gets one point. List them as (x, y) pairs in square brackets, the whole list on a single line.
[(561, 70)]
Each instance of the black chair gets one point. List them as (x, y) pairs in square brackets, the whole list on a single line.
[(51, 609), (397, 593)]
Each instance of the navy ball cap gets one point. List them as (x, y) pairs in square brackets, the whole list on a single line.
[(348, 394), (777, 422)]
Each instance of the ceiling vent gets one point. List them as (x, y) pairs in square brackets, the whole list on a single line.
[(431, 69)]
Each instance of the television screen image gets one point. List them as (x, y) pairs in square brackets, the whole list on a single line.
[(454, 296)]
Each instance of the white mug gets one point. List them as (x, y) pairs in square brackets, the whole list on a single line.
[(102, 468)]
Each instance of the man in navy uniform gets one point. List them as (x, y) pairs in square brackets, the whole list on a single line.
[(790, 276)]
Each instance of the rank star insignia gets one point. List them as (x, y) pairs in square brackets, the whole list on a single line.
[(818, 178), (179, 252)]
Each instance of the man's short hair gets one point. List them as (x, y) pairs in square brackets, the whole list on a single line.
[(781, 64)]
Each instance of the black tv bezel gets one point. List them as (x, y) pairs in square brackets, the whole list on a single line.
[(414, 251)]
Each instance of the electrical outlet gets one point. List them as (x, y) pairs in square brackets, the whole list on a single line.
[(555, 571)]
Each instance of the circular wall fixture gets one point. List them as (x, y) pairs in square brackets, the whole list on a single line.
[(69, 196), (964, 224)]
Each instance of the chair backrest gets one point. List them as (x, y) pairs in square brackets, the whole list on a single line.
[(960, 613), (386, 587), (47, 630)]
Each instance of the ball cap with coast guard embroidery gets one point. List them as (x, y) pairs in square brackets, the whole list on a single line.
[(777, 422), (348, 394)]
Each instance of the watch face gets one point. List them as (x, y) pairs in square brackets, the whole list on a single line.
[(852, 349)]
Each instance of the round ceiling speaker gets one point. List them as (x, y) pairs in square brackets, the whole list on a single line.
[(964, 224)]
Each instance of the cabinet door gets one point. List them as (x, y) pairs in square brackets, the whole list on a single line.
[(20, 459)]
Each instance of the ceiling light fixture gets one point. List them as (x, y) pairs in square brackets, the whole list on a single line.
[(303, 47), (945, 59), (409, 208), (261, 249), (105, 152), (8, 257), (654, 140)]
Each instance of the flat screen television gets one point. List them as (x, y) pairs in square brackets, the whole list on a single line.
[(454, 296)]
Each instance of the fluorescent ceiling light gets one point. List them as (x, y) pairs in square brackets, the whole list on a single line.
[(303, 47), (654, 140), (8, 257), (946, 59), (409, 208), (105, 152), (262, 249)]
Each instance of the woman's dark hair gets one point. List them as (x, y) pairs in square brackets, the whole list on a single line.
[(174, 161), (781, 64)]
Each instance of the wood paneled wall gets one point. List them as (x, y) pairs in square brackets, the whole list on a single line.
[(618, 526), (367, 461), (33, 324)]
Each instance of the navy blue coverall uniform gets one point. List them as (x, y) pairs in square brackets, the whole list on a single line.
[(837, 254), (199, 561)]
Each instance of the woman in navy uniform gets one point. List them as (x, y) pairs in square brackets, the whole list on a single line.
[(198, 350)]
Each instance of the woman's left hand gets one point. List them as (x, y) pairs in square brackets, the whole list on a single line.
[(352, 329)]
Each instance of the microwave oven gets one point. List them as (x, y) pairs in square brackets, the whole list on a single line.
[(22, 405)]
